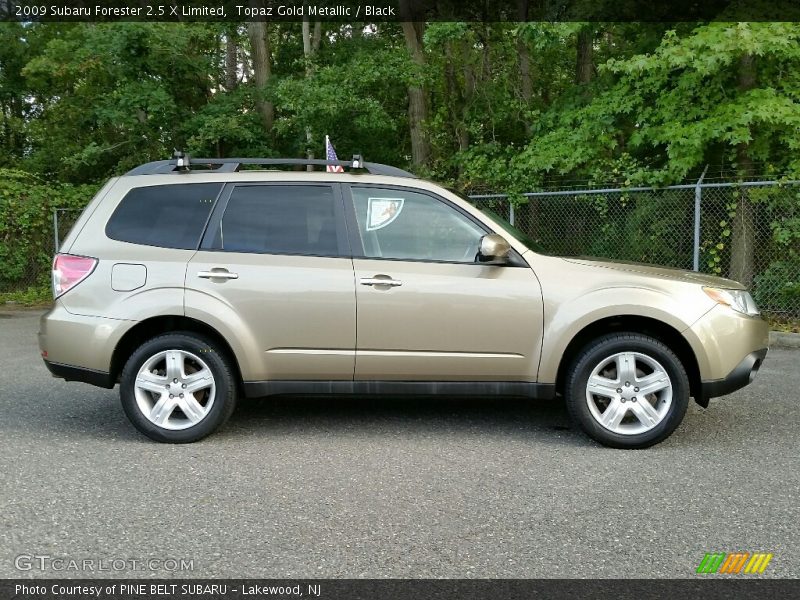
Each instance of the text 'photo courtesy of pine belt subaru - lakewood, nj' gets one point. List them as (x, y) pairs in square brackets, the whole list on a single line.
[(192, 285)]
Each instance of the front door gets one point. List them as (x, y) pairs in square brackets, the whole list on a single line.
[(427, 311)]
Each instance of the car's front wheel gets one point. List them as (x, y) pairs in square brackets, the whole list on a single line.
[(177, 388), (627, 390)]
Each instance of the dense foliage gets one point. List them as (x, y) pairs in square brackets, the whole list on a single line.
[(480, 106), (507, 104), (26, 225)]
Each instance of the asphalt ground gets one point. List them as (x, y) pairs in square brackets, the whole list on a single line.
[(388, 487)]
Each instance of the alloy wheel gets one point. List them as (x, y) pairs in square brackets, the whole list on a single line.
[(174, 389), (629, 393)]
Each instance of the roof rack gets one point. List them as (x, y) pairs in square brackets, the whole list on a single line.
[(182, 164)]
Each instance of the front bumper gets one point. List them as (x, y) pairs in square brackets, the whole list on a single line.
[(742, 375), (729, 348)]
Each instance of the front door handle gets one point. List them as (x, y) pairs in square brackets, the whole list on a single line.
[(217, 274), (388, 281)]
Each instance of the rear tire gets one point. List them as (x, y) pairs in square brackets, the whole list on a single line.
[(178, 388), (627, 390)]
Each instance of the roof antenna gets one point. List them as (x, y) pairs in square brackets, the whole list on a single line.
[(181, 160)]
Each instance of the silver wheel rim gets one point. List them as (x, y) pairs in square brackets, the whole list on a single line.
[(629, 393), (174, 389)]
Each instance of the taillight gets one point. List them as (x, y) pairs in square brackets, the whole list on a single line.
[(69, 271)]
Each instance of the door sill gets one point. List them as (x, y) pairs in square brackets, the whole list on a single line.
[(543, 391)]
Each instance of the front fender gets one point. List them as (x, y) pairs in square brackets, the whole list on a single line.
[(565, 319)]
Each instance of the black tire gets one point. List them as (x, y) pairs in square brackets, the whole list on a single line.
[(225, 395), (606, 346)]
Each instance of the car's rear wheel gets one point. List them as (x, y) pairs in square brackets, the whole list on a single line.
[(177, 388), (627, 390)]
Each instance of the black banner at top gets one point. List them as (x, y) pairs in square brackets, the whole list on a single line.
[(399, 10)]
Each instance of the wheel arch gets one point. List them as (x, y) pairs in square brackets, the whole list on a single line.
[(635, 324), (154, 326)]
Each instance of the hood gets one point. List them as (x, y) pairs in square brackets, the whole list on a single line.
[(658, 271)]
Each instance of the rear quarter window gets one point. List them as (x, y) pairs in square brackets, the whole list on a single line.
[(168, 216)]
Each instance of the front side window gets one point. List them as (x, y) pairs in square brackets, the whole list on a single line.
[(168, 216), (280, 219), (401, 224)]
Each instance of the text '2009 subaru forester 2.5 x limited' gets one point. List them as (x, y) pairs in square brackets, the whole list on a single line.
[(192, 287)]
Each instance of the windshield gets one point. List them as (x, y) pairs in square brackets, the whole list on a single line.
[(531, 242)]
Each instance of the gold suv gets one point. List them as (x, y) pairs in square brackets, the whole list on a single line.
[(192, 285)]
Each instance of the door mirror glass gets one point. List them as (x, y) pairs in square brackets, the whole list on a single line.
[(494, 248)]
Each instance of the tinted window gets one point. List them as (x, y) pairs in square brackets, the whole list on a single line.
[(170, 216), (409, 225), (280, 219)]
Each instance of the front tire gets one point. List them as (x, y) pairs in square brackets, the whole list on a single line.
[(627, 390), (178, 388)]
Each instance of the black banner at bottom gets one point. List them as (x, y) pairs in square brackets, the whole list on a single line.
[(373, 589)]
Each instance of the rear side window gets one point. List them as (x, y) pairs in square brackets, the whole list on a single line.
[(169, 216), (280, 219)]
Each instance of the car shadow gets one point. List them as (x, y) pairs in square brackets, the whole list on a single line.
[(409, 415), (76, 410)]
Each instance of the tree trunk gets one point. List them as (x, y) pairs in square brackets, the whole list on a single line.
[(743, 235), (524, 57), (486, 55), (417, 94), (584, 65), (311, 44), (456, 100), (525, 71), (317, 37), (526, 214), (6, 131), (231, 59), (262, 70)]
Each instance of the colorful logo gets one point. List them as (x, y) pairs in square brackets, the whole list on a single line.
[(735, 563)]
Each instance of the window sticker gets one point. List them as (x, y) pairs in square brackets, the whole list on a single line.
[(382, 211)]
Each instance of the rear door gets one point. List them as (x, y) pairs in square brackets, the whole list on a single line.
[(427, 311), (275, 267)]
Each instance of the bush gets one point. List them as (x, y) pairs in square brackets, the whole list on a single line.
[(32, 296), (778, 287), (26, 226)]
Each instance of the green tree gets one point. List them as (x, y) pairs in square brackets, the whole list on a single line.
[(109, 96)]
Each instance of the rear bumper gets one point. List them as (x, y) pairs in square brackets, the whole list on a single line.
[(79, 347), (742, 375), (82, 374)]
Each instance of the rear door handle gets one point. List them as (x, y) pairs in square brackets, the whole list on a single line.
[(380, 281), (217, 274)]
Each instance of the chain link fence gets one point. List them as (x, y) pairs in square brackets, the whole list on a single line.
[(749, 232), (28, 273), (63, 220), (29, 270)]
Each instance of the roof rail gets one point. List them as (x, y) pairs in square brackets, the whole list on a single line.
[(182, 164)]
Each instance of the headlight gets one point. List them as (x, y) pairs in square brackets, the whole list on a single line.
[(739, 300)]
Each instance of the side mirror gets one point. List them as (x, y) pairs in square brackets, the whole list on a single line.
[(494, 249)]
